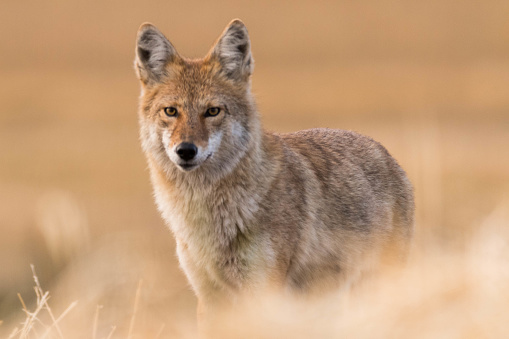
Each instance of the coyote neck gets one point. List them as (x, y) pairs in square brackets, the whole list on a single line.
[(196, 208)]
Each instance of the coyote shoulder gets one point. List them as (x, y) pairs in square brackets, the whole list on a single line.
[(250, 210)]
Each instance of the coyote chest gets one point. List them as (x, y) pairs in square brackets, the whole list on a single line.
[(216, 244)]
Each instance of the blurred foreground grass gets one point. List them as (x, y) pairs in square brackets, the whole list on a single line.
[(443, 292)]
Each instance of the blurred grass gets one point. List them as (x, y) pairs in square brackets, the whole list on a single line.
[(442, 293), (427, 79)]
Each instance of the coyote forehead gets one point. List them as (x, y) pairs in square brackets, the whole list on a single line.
[(304, 212)]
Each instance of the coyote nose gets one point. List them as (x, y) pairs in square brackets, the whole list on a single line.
[(186, 151)]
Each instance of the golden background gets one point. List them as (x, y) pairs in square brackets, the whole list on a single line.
[(428, 79)]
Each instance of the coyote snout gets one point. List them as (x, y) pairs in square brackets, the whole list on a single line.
[(186, 151), (188, 155), (250, 210)]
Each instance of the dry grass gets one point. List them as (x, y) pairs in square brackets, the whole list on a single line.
[(443, 292), (33, 324)]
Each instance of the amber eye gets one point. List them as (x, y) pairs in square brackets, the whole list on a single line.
[(170, 111), (212, 111)]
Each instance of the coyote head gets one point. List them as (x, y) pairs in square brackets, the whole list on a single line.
[(196, 115)]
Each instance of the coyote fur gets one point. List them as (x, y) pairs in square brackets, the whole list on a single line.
[(251, 210)]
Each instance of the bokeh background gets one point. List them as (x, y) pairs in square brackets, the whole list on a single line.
[(428, 79)]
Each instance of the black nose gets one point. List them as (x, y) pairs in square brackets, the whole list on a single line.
[(186, 151)]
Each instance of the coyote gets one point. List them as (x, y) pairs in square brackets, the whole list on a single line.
[(300, 213)]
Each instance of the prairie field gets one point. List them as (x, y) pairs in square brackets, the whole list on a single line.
[(427, 79)]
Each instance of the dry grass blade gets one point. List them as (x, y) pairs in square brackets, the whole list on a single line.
[(13, 333), (96, 320), (22, 303), (113, 328), (55, 322), (136, 300)]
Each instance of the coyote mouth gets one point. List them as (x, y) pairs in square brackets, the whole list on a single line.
[(186, 166)]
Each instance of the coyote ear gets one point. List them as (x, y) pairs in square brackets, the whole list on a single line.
[(233, 50), (153, 53)]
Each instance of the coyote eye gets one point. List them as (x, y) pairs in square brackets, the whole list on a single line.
[(170, 111), (212, 111)]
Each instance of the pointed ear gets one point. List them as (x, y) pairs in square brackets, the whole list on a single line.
[(233, 51), (153, 53)]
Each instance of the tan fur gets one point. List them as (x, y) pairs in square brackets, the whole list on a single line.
[(302, 212)]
